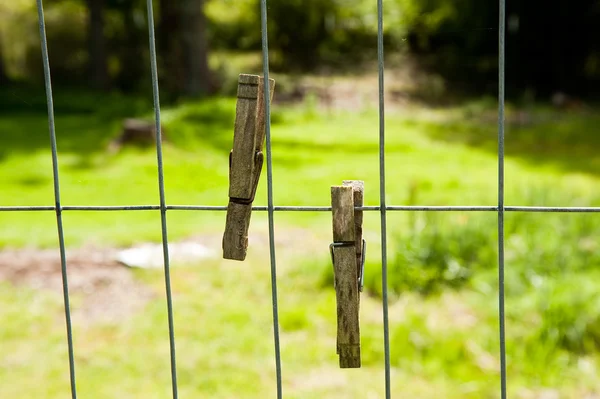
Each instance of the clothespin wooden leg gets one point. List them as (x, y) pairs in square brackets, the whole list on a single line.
[(245, 162), (346, 275), (358, 188)]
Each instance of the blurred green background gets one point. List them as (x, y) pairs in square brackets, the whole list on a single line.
[(441, 149)]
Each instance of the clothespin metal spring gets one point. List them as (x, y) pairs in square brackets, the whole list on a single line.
[(348, 268), (361, 279), (258, 163)]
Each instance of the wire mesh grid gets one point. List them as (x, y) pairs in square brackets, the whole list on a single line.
[(382, 208)]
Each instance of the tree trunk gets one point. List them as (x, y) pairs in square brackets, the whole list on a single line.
[(184, 47), (134, 72), (195, 49), (169, 48), (98, 64), (3, 75)]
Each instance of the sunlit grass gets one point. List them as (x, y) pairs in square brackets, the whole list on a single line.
[(442, 345)]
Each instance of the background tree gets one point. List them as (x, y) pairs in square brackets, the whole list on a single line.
[(98, 62), (131, 45), (184, 47), (3, 75), (550, 48)]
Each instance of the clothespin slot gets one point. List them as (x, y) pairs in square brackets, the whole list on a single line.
[(245, 162), (358, 189), (347, 253)]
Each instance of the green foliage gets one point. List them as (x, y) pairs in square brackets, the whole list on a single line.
[(437, 252), (434, 254), (459, 39), (294, 319), (18, 35), (233, 24), (302, 34), (541, 247), (66, 31), (308, 33), (570, 312), (456, 39)]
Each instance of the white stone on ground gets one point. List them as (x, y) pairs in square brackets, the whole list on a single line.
[(150, 256)]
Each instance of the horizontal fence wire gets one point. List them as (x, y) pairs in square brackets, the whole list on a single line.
[(283, 208), (382, 208), (57, 208)]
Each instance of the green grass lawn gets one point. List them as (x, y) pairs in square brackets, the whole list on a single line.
[(443, 273)]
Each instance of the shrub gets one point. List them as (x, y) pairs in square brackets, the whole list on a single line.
[(437, 252), (570, 314), (432, 255)]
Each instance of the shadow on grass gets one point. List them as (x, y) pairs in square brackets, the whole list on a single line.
[(85, 121), (567, 141), (208, 123)]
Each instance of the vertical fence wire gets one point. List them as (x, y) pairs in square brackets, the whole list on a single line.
[(59, 221), (501, 95), (382, 208), (382, 201), (161, 190), (270, 208)]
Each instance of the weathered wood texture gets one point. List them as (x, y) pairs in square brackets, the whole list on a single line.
[(348, 331), (249, 134), (342, 209), (245, 162), (261, 120), (235, 239), (358, 187)]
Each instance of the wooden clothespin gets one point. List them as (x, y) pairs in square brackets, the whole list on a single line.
[(347, 253), (245, 162)]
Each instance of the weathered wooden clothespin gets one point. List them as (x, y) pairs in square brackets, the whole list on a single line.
[(348, 254), (245, 162)]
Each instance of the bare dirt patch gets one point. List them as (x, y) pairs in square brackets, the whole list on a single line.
[(102, 290), (352, 92)]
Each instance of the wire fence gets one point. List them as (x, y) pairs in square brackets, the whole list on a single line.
[(382, 208)]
